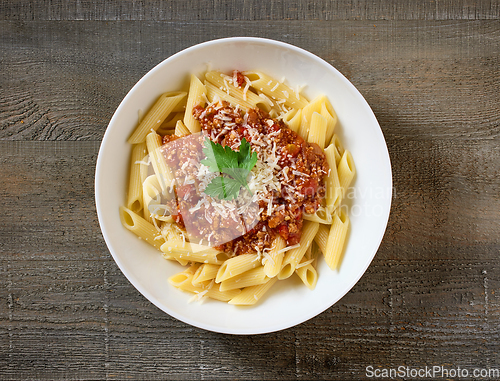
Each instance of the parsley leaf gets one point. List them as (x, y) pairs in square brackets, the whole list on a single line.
[(246, 159), (224, 188), (219, 157), (238, 174), (236, 165)]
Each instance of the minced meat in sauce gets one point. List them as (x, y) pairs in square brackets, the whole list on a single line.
[(302, 169)]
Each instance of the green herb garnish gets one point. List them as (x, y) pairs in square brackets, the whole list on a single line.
[(236, 165)]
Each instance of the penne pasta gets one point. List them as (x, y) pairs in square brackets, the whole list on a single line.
[(205, 272), (330, 115), (293, 257), (181, 129), (170, 232), (140, 227), (224, 296), (191, 270), (307, 274), (243, 95), (321, 237), (307, 112), (160, 167), (135, 199), (275, 89), (274, 258), (180, 261), (144, 166), (184, 282), (197, 92), (322, 216), (251, 295), (193, 252), (346, 171), (214, 94), (236, 266), (317, 130), (156, 115), (338, 146), (196, 97), (336, 240), (292, 118), (168, 126), (151, 191), (249, 278), (334, 194)]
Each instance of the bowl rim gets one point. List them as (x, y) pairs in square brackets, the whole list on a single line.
[(146, 293)]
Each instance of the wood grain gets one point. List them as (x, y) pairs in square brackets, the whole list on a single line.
[(429, 70), (251, 10), (63, 80)]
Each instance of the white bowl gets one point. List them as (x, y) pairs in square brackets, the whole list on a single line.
[(289, 302)]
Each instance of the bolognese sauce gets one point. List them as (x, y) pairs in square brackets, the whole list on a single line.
[(287, 181)]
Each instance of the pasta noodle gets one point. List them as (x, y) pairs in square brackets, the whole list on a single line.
[(330, 115), (151, 191), (162, 172), (205, 272), (168, 126), (307, 112), (321, 215), (294, 256), (275, 258), (140, 227), (292, 118), (242, 96), (134, 201), (308, 275), (251, 295), (195, 98), (234, 107), (339, 148), (275, 89), (156, 115), (181, 129), (336, 239), (321, 237), (333, 188), (236, 266), (317, 129), (248, 278), (184, 281), (194, 252), (346, 171), (214, 93)]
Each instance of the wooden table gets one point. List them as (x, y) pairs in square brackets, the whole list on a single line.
[(430, 69)]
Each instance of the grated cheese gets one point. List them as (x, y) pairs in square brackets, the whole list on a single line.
[(304, 263), (289, 248), (247, 86)]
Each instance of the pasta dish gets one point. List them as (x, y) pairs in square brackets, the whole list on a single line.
[(240, 180)]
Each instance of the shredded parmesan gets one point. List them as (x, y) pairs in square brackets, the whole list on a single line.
[(305, 263), (145, 161), (289, 248)]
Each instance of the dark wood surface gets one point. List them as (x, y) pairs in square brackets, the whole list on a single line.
[(430, 70)]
